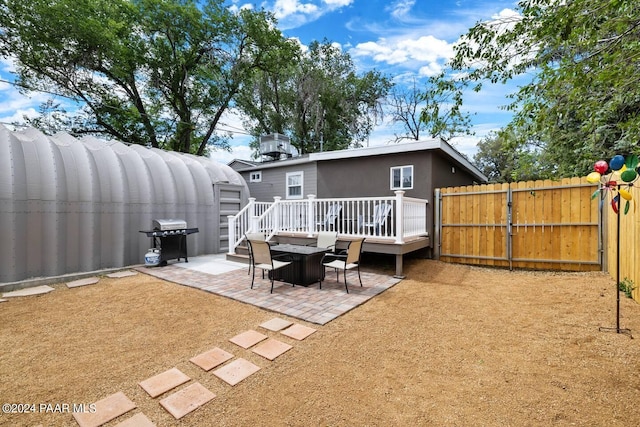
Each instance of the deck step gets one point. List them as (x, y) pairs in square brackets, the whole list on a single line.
[(238, 258)]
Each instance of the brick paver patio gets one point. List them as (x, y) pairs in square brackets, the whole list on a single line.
[(310, 304)]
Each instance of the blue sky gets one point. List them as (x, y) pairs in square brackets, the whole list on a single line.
[(402, 39)]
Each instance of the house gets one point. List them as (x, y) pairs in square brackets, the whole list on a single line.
[(417, 168)]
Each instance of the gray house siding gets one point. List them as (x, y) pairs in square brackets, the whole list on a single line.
[(273, 181), (370, 176)]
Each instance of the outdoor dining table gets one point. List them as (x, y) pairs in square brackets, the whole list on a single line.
[(306, 267)]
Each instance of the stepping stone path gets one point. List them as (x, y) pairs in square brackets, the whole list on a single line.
[(211, 359), (106, 410), (236, 371), (161, 383), (276, 324), (195, 395), (271, 349), (138, 420), (248, 339), (36, 290), (121, 274), (187, 400), (83, 282), (298, 332)]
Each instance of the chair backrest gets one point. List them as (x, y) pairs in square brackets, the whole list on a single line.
[(327, 239), (381, 212), (354, 250), (261, 251), (332, 215)]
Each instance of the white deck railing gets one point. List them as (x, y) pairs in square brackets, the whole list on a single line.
[(392, 218)]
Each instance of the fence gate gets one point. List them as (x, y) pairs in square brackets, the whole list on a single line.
[(550, 225)]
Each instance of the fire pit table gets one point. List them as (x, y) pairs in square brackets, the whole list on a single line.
[(170, 236)]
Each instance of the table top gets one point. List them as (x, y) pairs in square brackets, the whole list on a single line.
[(298, 249)]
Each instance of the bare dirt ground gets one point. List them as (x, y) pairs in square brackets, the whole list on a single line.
[(450, 345)]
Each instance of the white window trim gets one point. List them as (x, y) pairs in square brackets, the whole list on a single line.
[(401, 177), (301, 195), (255, 176)]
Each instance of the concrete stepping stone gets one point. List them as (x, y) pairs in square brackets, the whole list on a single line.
[(187, 400), (276, 324), (236, 371), (83, 282), (105, 410), (248, 338), (298, 332), (271, 349), (121, 274), (36, 290), (212, 358), (138, 420), (163, 382)]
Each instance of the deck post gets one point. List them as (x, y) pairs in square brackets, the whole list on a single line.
[(276, 214), (310, 216), (231, 233), (252, 226), (399, 216)]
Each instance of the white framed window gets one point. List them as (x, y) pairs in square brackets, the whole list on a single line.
[(402, 177), (294, 185), (255, 176)]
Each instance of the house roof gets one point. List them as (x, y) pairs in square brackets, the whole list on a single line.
[(431, 144)]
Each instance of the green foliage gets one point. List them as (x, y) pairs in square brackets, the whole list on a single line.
[(153, 72), (316, 98), (507, 156), (582, 104), (627, 286)]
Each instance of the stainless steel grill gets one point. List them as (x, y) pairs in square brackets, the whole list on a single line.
[(169, 224), (170, 237)]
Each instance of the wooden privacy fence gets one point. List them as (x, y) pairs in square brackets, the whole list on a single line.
[(629, 241), (551, 225)]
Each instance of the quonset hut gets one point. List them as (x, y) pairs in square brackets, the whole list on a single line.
[(72, 205)]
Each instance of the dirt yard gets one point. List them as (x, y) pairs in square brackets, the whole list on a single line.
[(450, 345)]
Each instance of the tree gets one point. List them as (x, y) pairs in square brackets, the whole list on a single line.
[(505, 157), (316, 98), (581, 104), (152, 72), (435, 110)]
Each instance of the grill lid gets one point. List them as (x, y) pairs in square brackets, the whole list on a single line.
[(169, 224)]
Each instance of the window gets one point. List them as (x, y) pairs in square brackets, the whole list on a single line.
[(255, 176), (294, 185), (402, 177)]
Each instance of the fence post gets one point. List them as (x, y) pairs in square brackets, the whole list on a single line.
[(437, 226), (311, 222), (399, 216), (231, 234)]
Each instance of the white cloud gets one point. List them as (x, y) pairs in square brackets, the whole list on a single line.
[(425, 54), (295, 13), (284, 8), (400, 8), (333, 4)]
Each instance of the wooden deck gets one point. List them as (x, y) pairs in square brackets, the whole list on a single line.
[(371, 245)]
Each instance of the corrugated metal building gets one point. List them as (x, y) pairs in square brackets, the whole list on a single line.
[(74, 205)]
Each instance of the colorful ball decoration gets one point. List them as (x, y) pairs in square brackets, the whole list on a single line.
[(628, 175), (593, 177), (601, 167), (616, 162), (625, 194)]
